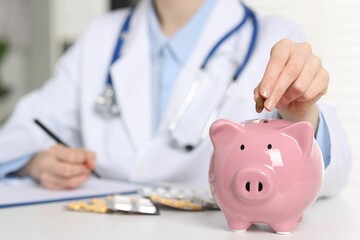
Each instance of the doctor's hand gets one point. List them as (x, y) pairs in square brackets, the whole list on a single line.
[(60, 167), (293, 81)]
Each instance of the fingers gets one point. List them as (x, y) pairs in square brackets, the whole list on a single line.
[(302, 84), (61, 168), (303, 105), (315, 91), (71, 155), (317, 88), (65, 169), (71, 162), (74, 155), (279, 56), (54, 182), (294, 79), (285, 74)]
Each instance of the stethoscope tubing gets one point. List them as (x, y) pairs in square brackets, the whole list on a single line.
[(227, 36), (119, 44), (249, 14), (198, 77)]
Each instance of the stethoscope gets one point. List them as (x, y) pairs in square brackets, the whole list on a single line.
[(107, 107)]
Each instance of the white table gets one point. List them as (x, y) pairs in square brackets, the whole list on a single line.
[(330, 219)]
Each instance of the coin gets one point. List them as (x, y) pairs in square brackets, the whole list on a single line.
[(259, 104)]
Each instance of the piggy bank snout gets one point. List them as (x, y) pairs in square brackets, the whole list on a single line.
[(253, 185)]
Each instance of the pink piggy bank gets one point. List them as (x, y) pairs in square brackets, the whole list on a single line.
[(264, 171)]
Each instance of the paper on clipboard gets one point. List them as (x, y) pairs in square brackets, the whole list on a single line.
[(18, 192)]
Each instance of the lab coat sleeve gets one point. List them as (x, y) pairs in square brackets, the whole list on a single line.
[(323, 138), (12, 166), (56, 104), (337, 172)]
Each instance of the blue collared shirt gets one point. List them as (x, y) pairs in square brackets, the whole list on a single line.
[(169, 54)]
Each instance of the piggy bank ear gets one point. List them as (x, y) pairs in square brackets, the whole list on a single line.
[(224, 132), (303, 134)]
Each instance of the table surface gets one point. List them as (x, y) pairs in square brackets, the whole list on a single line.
[(333, 218)]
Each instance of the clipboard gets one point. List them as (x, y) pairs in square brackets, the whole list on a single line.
[(21, 192)]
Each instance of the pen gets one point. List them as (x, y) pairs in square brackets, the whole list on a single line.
[(57, 139)]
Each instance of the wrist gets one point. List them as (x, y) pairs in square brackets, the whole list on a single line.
[(29, 169)]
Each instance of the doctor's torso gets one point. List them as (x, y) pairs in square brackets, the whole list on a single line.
[(126, 146)]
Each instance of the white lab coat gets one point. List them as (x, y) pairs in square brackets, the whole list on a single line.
[(125, 146)]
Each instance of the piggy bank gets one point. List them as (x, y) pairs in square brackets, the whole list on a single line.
[(264, 171)]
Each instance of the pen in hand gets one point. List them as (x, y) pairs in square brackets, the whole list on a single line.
[(57, 139)]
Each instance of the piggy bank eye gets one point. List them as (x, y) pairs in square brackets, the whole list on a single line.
[(269, 146), (242, 147)]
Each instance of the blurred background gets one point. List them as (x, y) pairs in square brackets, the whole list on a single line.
[(35, 33)]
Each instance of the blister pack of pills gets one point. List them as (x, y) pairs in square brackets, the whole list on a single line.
[(128, 204), (95, 205), (180, 198), (116, 203)]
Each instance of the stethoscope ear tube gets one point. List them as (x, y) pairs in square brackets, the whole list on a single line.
[(252, 44), (199, 76), (212, 117), (249, 14)]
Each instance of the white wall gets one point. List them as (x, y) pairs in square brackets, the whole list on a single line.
[(15, 28), (333, 29), (70, 19), (36, 30)]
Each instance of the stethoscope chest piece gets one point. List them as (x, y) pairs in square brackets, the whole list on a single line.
[(106, 105)]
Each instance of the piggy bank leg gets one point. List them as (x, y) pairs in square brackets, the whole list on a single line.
[(237, 226), (286, 227)]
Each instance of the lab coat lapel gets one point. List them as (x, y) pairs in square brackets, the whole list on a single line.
[(131, 79), (217, 26)]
